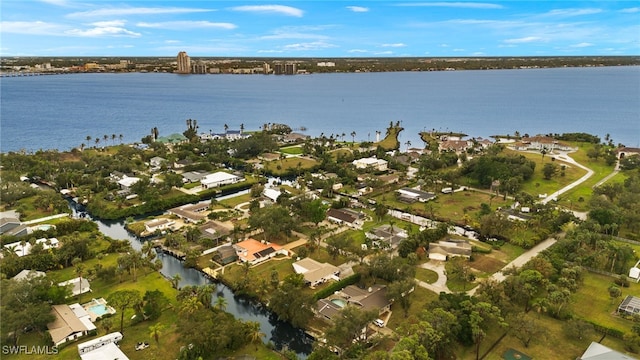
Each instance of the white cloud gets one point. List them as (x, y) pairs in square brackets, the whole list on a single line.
[(285, 34), (270, 51), (478, 53), (31, 28), (581, 45), (315, 45), (114, 28), (186, 25), (277, 9), (523, 40), (468, 5), (632, 10), (573, 12), (122, 11), (388, 52), (394, 45), (358, 8), (172, 41), (357, 51)]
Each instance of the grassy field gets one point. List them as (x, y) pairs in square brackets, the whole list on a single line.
[(292, 150), (235, 201), (285, 166), (426, 275), (390, 142)]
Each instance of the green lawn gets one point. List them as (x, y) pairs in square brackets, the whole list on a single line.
[(592, 302), (284, 166), (426, 275), (292, 150), (235, 201)]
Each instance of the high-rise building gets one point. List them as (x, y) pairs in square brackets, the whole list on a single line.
[(199, 67), (184, 64)]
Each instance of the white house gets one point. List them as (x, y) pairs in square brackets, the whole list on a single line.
[(78, 285), (28, 275), (158, 224), (412, 195), (127, 182), (218, 179), (272, 194), (97, 343), (634, 272), (23, 250), (316, 273), (371, 163)]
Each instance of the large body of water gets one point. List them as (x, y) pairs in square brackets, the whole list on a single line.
[(59, 112)]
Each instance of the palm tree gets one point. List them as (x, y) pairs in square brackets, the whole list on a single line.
[(190, 305), (353, 137), (175, 280), (221, 303), (88, 138), (408, 143), (97, 140), (226, 127), (120, 137), (79, 269), (155, 331), (113, 139), (105, 137), (204, 294), (254, 334)]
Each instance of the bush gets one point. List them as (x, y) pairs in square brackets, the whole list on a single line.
[(321, 294)]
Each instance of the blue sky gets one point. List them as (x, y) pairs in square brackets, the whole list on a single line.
[(319, 28)]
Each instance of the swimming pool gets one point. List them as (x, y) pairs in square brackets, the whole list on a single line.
[(99, 309), (44, 227), (341, 303)]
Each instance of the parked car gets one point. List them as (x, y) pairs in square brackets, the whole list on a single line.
[(378, 322)]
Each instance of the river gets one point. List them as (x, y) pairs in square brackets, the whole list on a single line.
[(282, 334)]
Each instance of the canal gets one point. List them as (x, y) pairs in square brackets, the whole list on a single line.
[(282, 334)]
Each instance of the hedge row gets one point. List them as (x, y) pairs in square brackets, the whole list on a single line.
[(339, 285), (607, 330)]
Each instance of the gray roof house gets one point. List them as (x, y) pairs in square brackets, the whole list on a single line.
[(372, 298), (316, 273), (443, 249), (388, 234)]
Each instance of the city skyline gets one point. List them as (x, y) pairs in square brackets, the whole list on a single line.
[(319, 28)]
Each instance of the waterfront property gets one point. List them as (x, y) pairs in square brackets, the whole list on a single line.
[(158, 225), (347, 217), (253, 251), (24, 250), (191, 212), (372, 298)]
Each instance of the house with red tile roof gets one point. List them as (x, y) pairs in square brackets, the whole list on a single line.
[(253, 251)]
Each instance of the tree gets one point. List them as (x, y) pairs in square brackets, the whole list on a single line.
[(254, 333), (290, 302), (123, 300), (353, 137), (549, 170), (526, 330), (154, 302), (221, 303), (481, 316), (175, 280), (400, 292), (349, 327), (614, 292), (380, 210), (155, 331), (274, 220)]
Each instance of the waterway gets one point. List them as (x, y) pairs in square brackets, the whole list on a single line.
[(282, 334)]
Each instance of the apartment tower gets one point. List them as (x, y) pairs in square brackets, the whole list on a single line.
[(184, 64)]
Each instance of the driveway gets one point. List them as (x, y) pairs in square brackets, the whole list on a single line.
[(563, 156), (439, 285)]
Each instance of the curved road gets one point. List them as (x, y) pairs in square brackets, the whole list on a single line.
[(564, 156)]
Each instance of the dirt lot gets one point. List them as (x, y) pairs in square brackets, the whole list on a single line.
[(486, 263)]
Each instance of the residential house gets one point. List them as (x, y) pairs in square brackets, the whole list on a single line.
[(253, 251), (457, 146), (269, 156), (389, 179), (193, 176), (372, 298), (67, 326), (28, 274), (634, 272), (371, 163), (78, 285), (192, 213), (294, 137), (156, 161), (161, 224), (219, 178), (316, 273), (180, 164), (539, 143), (23, 250), (630, 305), (214, 230), (271, 194), (412, 195), (387, 234), (225, 254), (597, 351), (444, 249), (627, 151), (127, 182), (347, 217), (12, 226)]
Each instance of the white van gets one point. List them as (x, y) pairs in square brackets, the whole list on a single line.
[(378, 322)]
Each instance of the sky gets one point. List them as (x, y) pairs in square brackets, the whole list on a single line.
[(320, 28)]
